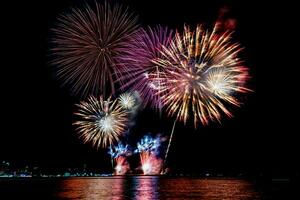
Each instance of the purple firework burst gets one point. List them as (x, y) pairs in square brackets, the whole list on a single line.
[(139, 72)]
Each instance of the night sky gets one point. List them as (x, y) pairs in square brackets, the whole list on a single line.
[(37, 113)]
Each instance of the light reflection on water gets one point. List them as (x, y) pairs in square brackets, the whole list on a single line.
[(152, 187)]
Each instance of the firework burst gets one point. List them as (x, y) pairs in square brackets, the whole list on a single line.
[(151, 164), (101, 122), (139, 70), (202, 73), (122, 166), (148, 149), (86, 43), (119, 150), (148, 144), (128, 101), (119, 153)]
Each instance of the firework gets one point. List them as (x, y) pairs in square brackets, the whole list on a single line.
[(151, 164), (148, 144), (119, 154), (202, 74), (129, 101), (126, 100), (139, 69), (100, 122), (119, 150), (86, 43), (122, 166), (148, 150)]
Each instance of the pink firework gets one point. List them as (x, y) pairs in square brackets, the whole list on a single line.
[(151, 164), (86, 43), (119, 154), (122, 165), (148, 148), (139, 69)]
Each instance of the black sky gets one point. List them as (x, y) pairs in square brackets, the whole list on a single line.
[(37, 112)]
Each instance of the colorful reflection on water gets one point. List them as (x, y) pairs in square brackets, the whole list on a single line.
[(154, 187)]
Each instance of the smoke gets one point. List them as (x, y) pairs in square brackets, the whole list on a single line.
[(225, 20)]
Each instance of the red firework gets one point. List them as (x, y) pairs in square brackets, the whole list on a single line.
[(122, 166), (151, 164)]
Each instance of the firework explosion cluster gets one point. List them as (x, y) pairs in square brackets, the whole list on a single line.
[(148, 150), (102, 54), (119, 153)]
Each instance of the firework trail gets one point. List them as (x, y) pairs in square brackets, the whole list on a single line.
[(119, 154), (202, 75), (100, 122), (148, 148), (169, 143), (139, 70), (86, 43)]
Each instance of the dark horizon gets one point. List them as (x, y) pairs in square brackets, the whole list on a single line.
[(38, 112)]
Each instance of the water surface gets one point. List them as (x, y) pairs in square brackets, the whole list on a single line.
[(133, 187)]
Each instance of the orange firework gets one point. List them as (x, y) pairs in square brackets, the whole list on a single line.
[(100, 122), (202, 75)]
